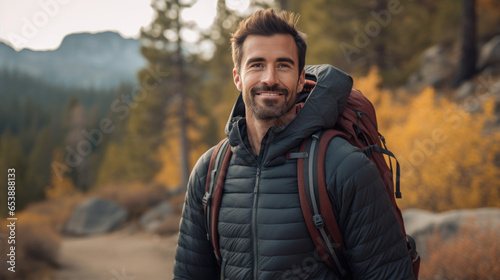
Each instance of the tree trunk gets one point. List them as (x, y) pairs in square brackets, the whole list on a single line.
[(468, 52), (184, 146), (379, 47), (283, 4)]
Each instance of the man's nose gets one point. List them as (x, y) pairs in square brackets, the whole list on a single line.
[(270, 77)]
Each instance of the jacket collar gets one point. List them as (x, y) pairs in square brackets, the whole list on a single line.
[(323, 104)]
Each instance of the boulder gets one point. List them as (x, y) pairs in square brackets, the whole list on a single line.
[(424, 225), (95, 216), (436, 70), (489, 53), (156, 217), (465, 90)]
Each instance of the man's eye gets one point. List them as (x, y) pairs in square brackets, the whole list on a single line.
[(257, 65), (283, 65)]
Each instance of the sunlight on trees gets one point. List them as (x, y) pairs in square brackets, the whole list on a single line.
[(61, 186), (446, 154), (169, 154)]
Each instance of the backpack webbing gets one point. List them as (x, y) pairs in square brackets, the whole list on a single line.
[(321, 224), (313, 192), (217, 170)]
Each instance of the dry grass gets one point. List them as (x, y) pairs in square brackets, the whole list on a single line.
[(473, 254), (38, 227), (57, 211), (37, 247), (37, 238)]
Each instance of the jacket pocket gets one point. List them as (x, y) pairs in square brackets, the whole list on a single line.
[(223, 270)]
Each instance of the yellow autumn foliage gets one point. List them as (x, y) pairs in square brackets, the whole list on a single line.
[(447, 154), (61, 186), (169, 153)]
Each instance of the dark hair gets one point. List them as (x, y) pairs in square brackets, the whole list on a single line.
[(267, 23)]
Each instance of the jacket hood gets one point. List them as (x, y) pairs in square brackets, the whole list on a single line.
[(322, 106)]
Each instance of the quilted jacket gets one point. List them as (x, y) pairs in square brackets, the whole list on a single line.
[(262, 232)]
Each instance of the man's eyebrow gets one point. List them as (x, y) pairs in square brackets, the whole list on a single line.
[(286, 59), (255, 59), (279, 59)]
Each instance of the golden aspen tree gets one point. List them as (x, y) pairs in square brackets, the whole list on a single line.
[(446, 154)]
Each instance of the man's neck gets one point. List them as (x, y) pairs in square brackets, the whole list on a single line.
[(257, 129)]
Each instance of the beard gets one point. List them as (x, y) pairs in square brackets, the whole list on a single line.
[(271, 109)]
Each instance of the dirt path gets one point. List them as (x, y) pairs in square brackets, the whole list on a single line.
[(117, 256)]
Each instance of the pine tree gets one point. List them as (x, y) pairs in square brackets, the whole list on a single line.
[(163, 91), (174, 101)]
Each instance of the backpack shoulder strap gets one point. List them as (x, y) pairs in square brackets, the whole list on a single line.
[(214, 185), (315, 201)]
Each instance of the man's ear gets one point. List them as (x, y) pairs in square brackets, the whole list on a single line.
[(302, 81), (237, 79)]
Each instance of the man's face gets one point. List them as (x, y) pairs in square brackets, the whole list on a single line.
[(269, 77)]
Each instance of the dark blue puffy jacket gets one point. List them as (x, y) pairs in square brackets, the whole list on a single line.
[(261, 226)]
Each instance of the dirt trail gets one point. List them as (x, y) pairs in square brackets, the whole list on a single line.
[(117, 256)]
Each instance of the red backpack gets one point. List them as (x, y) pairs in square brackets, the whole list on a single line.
[(358, 125)]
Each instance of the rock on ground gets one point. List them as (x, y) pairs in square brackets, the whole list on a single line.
[(423, 225), (95, 216)]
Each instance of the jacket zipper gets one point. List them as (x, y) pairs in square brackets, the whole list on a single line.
[(254, 225), (254, 210), (223, 269)]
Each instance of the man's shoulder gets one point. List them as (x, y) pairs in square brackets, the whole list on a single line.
[(349, 170), (203, 162), (199, 172), (343, 156), (339, 146)]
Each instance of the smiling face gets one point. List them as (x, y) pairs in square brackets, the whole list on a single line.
[(269, 77)]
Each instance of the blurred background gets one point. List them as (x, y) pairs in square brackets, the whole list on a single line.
[(105, 106)]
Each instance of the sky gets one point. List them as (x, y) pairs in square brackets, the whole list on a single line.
[(42, 24)]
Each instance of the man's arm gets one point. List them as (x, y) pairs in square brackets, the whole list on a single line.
[(195, 257), (375, 246)]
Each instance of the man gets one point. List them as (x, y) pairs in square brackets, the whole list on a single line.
[(262, 232)]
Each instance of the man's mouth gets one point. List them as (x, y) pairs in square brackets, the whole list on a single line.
[(270, 93), (273, 91)]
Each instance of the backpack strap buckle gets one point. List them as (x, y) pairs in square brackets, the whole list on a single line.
[(318, 221), (298, 155), (206, 197)]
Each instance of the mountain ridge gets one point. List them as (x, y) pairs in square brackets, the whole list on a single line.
[(99, 60)]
